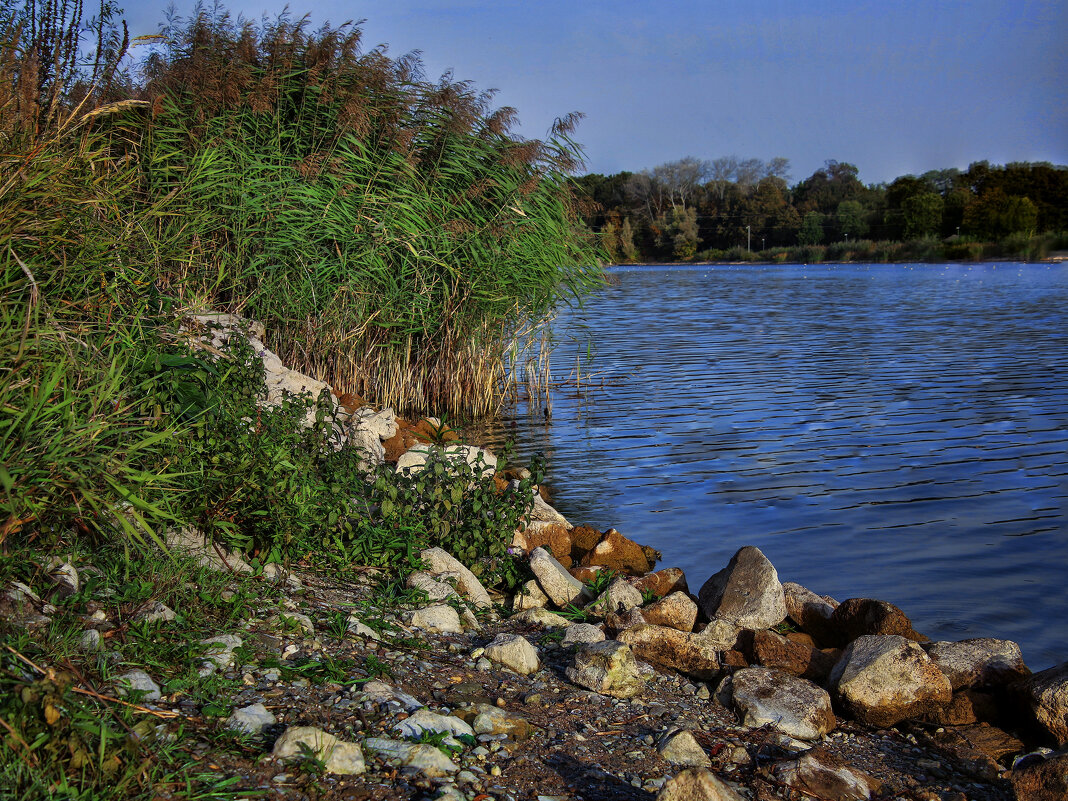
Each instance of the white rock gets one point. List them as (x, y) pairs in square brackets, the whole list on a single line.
[(89, 640), (337, 755), (65, 577), (696, 784), (138, 681), (423, 720), (794, 706), (425, 759), (558, 584), (381, 424), (293, 620), (436, 619), (582, 633), (354, 625), (541, 510), (194, 545), (981, 662), (441, 562), (680, 747), (220, 653), (608, 668), (414, 460), (515, 653), (251, 719), (530, 596), (543, 618), (380, 692), (154, 612), (435, 590)]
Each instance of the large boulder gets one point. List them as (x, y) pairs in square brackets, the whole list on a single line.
[(554, 579), (479, 460), (860, 616), (608, 668), (982, 662), (771, 650), (687, 653), (793, 706), (746, 592), (677, 611), (1041, 780), (662, 582), (884, 679), (1046, 693), (619, 598), (811, 612), (554, 537)]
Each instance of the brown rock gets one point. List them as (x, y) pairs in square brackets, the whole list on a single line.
[(676, 611), (811, 612), (768, 649), (408, 435), (615, 622), (663, 582), (583, 539), (821, 774), (860, 616), (587, 575), (733, 659), (975, 748), (981, 662), (802, 639), (966, 707), (553, 537), (696, 784), (682, 651), (1046, 694), (618, 553), (1045, 780)]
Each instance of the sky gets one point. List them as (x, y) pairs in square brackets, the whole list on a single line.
[(895, 87)]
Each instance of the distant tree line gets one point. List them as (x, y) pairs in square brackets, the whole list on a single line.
[(694, 208)]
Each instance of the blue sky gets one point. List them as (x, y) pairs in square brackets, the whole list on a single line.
[(895, 87)]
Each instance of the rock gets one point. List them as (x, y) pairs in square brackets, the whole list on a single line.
[(192, 544), (441, 562), (423, 720), (810, 611), (353, 625), (677, 611), (619, 597), (556, 582), (967, 706), (140, 682), (251, 719), (489, 719), (720, 634), (663, 582), (793, 706), (616, 552), (436, 619), (883, 679), (608, 668), (1041, 780), (579, 633), (64, 577), (24, 608), (680, 747), (380, 692), (768, 649), (480, 461), (982, 662), (627, 620), (154, 612), (821, 774), (292, 621), (543, 618), (419, 758), (542, 511), (368, 444), (435, 590), (583, 540), (746, 592), (337, 755), (276, 574), (976, 748), (1046, 694), (515, 653), (381, 424), (860, 616), (688, 653), (530, 596), (554, 537), (219, 654), (696, 784), (89, 640)]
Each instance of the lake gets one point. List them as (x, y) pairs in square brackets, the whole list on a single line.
[(897, 432)]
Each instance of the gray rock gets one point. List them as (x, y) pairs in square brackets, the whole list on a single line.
[(810, 611), (746, 592), (154, 612), (425, 759), (1047, 695), (353, 625), (276, 574), (558, 584), (380, 692), (337, 755), (64, 576), (822, 775), (680, 747), (251, 719), (688, 653), (219, 654), (541, 510), (89, 640), (368, 444), (138, 681), (194, 545), (530, 597), (620, 597), (494, 720), (582, 633), (423, 720), (437, 619), (696, 784), (794, 706), (288, 621), (608, 668), (381, 424), (881, 679), (435, 590), (515, 653), (441, 562), (982, 662)]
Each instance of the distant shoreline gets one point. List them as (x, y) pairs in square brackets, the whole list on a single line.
[(1059, 258)]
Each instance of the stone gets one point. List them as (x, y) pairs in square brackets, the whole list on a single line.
[(677, 611), (1046, 693), (884, 679), (746, 592), (561, 587), (380, 692), (542, 511), (276, 574), (720, 634), (981, 662), (820, 774), (292, 621), (192, 544), (353, 625), (662, 582), (435, 590), (479, 460), (768, 649), (977, 748), (578, 633), (967, 706), (619, 597), (811, 612), (1041, 780), (860, 616), (436, 619), (542, 618), (64, 578), (680, 747), (696, 784), (381, 424), (583, 540), (794, 706), (418, 757), (154, 612), (90, 640), (608, 668), (440, 562), (140, 682), (683, 651), (554, 537), (616, 552), (251, 719), (23, 607), (530, 596), (337, 755), (489, 719), (219, 653), (515, 653), (368, 445), (423, 720), (627, 620)]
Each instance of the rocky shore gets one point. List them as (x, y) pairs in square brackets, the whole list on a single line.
[(603, 678)]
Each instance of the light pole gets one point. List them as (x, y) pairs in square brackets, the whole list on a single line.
[(748, 239)]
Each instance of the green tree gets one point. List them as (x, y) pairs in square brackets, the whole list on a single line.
[(851, 220), (922, 214), (811, 232)]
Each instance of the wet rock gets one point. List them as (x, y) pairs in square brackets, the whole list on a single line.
[(696, 784), (542, 618), (820, 774), (619, 597), (154, 612), (883, 679), (793, 706), (192, 544), (137, 681), (1041, 780), (251, 719), (423, 720), (861, 616), (530, 596), (768, 649), (616, 552), (608, 668), (440, 562), (419, 758), (688, 653), (981, 662), (746, 592), (436, 619), (811, 612), (515, 653), (1046, 694), (556, 582), (680, 747), (579, 633), (337, 755), (677, 611), (663, 582)]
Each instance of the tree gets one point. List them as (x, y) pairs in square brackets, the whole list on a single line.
[(683, 232), (811, 232), (922, 214), (851, 220)]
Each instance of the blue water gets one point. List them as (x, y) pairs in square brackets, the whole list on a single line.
[(886, 431)]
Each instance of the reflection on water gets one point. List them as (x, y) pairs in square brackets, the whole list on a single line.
[(889, 431)]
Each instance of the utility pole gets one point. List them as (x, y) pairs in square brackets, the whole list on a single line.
[(748, 240)]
